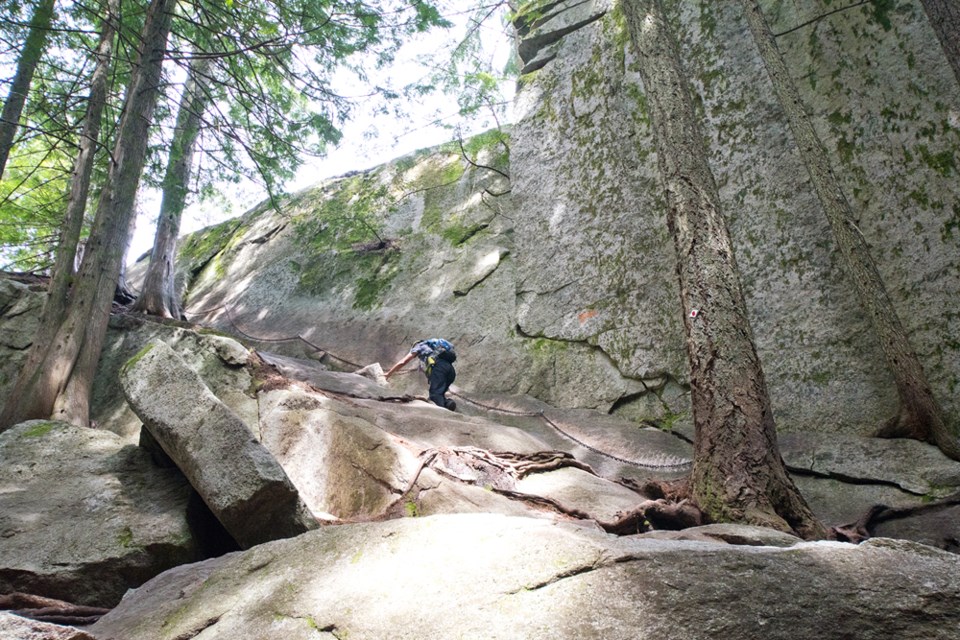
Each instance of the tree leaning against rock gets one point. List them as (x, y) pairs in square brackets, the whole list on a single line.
[(920, 415)]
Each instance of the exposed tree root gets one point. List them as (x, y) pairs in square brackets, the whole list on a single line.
[(661, 514), (669, 509), (50, 610), (498, 469), (673, 490), (864, 527)]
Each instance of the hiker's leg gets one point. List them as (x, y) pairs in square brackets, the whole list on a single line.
[(438, 383), (451, 376)]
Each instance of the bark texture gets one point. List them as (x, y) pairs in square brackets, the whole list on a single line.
[(920, 415), (738, 474), (33, 49), (159, 294), (59, 384), (64, 264), (945, 18), (68, 245)]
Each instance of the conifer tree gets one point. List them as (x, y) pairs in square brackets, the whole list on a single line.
[(920, 415), (30, 54), (738, 474)]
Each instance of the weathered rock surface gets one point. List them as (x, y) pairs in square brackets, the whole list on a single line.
[(840, 488), (359, 384), (218, 359), (561, 279), (911, 465), (84, 517), (20, 308), (238, 479), (592, 256), (488, 576), (14, 627), (342, 465), (936, 525)]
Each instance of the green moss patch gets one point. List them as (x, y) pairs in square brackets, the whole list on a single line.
[(39, 430), (137, 356)]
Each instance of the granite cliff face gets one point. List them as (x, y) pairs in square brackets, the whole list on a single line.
[(887, 107), (558, 281)]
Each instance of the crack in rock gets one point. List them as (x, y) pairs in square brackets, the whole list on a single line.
[(599, 562), (209, 622)]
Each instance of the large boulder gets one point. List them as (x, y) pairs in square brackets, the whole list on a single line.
[(488, 576), (593, 256), (841, 476), (238, 479), (83, 516), (218, 359), (354, 455), (913, 466), (20, 308)]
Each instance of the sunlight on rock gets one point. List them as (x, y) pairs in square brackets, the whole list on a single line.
[(556, 220), (438, 289), (474, 200), (488, 261)]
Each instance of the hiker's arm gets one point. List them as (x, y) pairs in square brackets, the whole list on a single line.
[(407, 358)]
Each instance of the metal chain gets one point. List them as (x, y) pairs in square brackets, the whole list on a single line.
[(528, 414), (556, 427)]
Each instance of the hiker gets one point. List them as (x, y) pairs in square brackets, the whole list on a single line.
[(437, 357)]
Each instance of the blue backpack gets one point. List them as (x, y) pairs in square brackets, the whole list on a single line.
[(439, 349)]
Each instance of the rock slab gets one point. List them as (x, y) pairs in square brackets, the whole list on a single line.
[(84, 517), (14, 627), (486, 576), (238, 479)]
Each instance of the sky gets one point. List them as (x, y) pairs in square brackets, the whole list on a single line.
[(368, 140)]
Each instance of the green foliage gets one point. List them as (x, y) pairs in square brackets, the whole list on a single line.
[(468, 71), (943, 162), (495, 140), (276, 101), (270, 92), (546, 346), (348, 216), (201, 246), (951, 225), (370, 287), (32, 204), (669, 420), (125, 538), (136, 357)]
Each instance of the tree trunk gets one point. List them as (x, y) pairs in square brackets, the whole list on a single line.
[(920, 415), (64, 265), (738, 474), (944, 16), (159, 294), (33, 49), (67, 250), (59, 386)]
